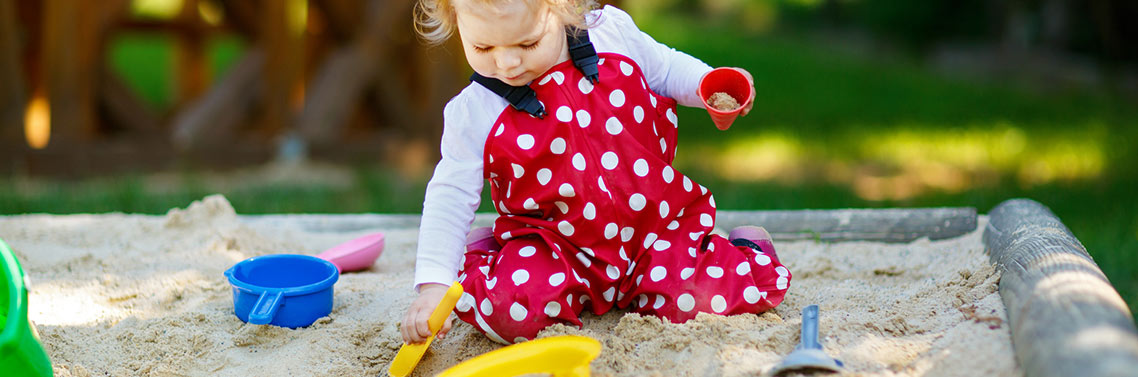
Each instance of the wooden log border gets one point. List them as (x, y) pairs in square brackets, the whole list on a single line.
[(1066, 318)]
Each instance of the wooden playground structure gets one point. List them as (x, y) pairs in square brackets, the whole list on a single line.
[(338, 79)]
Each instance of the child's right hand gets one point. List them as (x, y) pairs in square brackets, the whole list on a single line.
[(415, 328)]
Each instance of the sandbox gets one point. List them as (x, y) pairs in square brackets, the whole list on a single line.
[(124, 294)]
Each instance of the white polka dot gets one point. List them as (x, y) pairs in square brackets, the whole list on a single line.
[(751, 294), (715, 271), (579, 161), (649, 239), (486, 307), (638, 114), (609, 160), (601, 184), (663, 146), (616, 98), (519, 171), (743, 268), (671, 116), (685, 302), (661, 245), (706, 220), (640, 167), (529, 204), (639, 278), (589, 251), (556, 279), (585, 261), (520, 277), (527, 251), (691, 251), (553, 308), (610, 231), (465, 303), (564, 114), (664, 210), (625, 68), (674, 225), (637, 202), (670, 174), (621, 253), (627, 233), (609, 293), (659, 302), (781, 282), (653, 98), (711, 200), (762, 260), (687, 184), (557, 146), (642, 300), (556, 76), (631, 267), (566, 190), (518, 312), (492, 282), (613, 126), (781, 271), (659, 273), (686, 273), (702, 190), (562, 206), (583, 118), (585, 85), (525, 141), (501, 128), (566, 228), (612, 271), (695, 235), (718, 304), (544, 175), (590, 211)]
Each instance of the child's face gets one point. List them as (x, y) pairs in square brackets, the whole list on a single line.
[(511, 41)]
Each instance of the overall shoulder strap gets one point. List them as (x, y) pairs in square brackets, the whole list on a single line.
[(523, 98)]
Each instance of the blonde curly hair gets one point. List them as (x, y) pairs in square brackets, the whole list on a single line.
[(435, 19)]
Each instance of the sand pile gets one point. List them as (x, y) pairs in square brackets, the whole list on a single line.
[(125, 294)]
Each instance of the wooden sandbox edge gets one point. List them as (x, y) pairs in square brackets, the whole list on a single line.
[(1066, 318)]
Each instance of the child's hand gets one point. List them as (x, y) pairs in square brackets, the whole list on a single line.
[(415, 328), (750, 80)]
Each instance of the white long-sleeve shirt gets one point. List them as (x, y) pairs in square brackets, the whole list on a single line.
[(454, 192)]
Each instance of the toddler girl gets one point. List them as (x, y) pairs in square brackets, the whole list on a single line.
[(571, 119)]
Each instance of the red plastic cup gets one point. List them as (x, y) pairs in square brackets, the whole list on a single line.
[(727, 80)]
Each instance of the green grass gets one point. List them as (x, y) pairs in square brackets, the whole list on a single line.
[(838, 118)]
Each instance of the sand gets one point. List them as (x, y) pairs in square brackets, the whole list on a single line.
[(126, 295), (723, 102)]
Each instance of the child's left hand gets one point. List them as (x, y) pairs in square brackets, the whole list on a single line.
[(750, 80)]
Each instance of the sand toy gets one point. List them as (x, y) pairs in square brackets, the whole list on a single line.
[(20, 351), (732, 82), (287, 290), (559, 356), (409, 355), (809, 354), (357, 254)]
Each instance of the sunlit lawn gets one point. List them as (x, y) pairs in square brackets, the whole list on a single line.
[(829, 130)]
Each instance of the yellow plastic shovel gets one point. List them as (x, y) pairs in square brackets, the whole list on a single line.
[(410, 354), (561, 356)]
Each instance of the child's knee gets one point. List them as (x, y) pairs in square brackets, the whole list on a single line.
[(507, 321)]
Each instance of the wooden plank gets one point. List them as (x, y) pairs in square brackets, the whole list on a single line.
[(896, 225), (1066, 319), (123, 108), (13, 91), (190, 57), (281, 79), (224, 106), (68, 63), (342, 80)]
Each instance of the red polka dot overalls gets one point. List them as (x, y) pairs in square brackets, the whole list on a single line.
[(592, 215)]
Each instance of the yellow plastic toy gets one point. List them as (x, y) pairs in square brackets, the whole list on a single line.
[(409, 355), (561, 356)]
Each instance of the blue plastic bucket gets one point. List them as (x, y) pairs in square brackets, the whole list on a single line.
[(286, 290)]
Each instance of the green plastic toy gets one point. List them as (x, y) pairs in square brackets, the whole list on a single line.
[(20, 351)]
